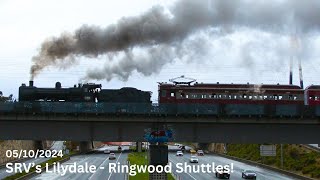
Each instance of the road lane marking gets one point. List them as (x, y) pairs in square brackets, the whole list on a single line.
[(185, 172), (98, 168), (116, 163)]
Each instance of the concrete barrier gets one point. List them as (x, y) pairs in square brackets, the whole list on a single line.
[(311, 147)]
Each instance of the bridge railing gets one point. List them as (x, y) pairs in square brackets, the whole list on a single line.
[(166, 109)]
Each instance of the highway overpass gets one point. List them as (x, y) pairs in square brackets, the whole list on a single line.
[(184, 128)]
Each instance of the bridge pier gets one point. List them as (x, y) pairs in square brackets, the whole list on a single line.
[(203, 146), (38, 144), (139, 146), (158, 155), (85, 146)]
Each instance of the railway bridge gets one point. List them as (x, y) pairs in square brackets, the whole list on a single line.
[(136, 128)]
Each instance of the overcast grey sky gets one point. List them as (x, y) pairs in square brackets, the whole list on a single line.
[(239, 50)]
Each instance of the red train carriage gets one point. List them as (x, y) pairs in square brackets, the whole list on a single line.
[(312, 95), (231, 99), (230, 94)]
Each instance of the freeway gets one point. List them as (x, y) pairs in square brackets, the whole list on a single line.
[(262, 174), (98, 159), (57, 145)]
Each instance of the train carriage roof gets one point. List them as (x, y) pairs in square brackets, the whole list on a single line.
[(313, 87), (240, 86), (235, 87)]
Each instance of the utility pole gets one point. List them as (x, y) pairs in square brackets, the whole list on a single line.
[(281, 156)]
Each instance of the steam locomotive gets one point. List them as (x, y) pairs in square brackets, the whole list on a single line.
[(82, 98), (89, 92)]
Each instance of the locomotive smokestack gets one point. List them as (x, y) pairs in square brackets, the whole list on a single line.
[(58, 85), (30, 83)]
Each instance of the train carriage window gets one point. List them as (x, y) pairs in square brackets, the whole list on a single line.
[(163, 93), (311, 97), (290, 97), (280, 97), (244, 96), (172, 94), (182, 95), (187, 96), (275, 97)]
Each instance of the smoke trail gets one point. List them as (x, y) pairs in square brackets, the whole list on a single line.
[(167, 31)]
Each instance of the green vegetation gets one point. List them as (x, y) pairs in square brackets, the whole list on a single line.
[(134, 148), (140, 159), (297, 158)]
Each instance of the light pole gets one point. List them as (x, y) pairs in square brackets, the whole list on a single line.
[(281, 156)]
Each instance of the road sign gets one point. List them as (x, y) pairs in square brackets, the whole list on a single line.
[(268, 150)]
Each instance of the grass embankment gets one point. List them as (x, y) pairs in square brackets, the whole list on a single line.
[(49, 162), (296, 158), (140, 159)]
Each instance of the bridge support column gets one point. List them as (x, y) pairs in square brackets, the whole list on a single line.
[(85, 146), (38, 144), (158, 155), (203, 146), (139, 146)]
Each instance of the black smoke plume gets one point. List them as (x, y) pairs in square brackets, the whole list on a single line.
[(161, 33)]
